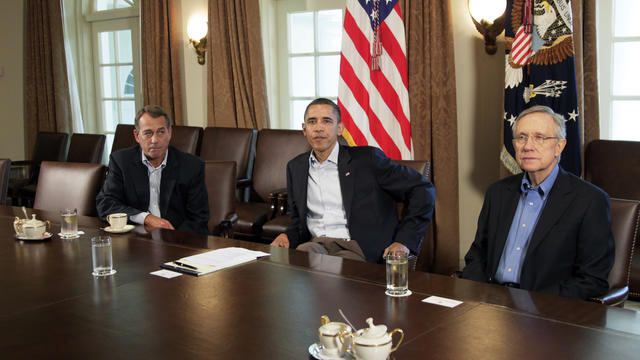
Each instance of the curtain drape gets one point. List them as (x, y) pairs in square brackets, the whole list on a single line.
[(432, 99), (236, 89), (160, 32), (584, 38), (47, 87)]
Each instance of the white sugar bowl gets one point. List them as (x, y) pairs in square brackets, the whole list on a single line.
[(374, 342)]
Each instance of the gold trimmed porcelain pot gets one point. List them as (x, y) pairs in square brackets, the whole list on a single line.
[(374, 342), (31, 228)]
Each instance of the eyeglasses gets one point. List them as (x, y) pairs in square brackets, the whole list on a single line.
[(537, 140)]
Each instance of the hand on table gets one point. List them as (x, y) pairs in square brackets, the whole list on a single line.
[(396, 246), (281, 241), (152, 222)]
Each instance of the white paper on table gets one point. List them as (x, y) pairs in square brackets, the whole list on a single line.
[(166, 273), (437, 300), (225, 257)]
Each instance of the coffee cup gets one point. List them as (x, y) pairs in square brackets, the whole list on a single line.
[(117, 221), (331, 335)]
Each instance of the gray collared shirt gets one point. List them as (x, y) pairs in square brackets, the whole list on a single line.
[(155, 176), (326, 215)]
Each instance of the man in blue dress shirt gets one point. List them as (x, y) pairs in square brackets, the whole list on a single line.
[(546, 230)]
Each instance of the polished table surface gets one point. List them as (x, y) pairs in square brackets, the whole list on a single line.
[(51, 306)]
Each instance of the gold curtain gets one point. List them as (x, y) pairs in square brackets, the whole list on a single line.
[(434, 129), (160, 32), (584, 38), (236, 84), (47, 87)]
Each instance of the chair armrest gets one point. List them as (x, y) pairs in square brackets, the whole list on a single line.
[(226, 226), (615, 297), (243, 183)]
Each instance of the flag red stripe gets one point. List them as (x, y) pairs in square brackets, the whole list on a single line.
[(351, 126), (359, 40), (390, 43), (391, 98)]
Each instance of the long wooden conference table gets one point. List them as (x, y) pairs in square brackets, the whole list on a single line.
[(52, 307)]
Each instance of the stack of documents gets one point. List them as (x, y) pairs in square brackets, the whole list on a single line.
[(211, 261)]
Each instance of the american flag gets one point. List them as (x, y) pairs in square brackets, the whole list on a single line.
[(540, 70), (372, 92)]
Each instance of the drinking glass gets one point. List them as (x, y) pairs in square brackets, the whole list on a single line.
[(69, 224), (397, 273), (102, 258)]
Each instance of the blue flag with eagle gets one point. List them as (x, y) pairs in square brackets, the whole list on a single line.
[(540, 70)]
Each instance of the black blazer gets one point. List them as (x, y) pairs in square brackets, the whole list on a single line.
[(183, 194), (371, 186), (571, 250)]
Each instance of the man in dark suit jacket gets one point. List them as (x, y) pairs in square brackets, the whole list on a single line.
[(370, 186), (546, 230), (154, 183)]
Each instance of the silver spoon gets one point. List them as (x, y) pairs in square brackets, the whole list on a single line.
[(24, 210), (346, 320)]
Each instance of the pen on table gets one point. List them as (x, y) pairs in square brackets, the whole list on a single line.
[(185, 265)]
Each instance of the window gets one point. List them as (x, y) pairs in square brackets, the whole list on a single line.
[(116, 58), (618, 51), (309, 35)]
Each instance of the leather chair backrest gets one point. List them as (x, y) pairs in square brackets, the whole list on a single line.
[(86, 148), (614, 166), (186, 138), (50, 146), (220, 179), (230, 144), (625, 222), (5, 165), (69, 185), (123, 138), (274, 150)]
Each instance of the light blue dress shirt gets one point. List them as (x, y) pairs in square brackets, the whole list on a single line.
[(155, 177), (530, 206), (326, 215)]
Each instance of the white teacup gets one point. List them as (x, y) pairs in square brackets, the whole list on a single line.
[(330, 339), (117, 221)]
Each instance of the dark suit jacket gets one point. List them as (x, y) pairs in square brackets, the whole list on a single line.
[(571, 250), (183, 194), (371, 186)]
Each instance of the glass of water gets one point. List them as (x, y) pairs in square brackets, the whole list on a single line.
[(69, 224), (397, 273), (102, 258)]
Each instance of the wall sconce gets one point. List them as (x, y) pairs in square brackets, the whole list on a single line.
[(488, 16), (197, 33)]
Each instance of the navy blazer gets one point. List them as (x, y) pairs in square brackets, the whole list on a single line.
[(571, 250), (183, 194), (371, 186)]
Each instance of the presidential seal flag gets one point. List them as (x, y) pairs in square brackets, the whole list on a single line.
[(372, 91), (539, 70)]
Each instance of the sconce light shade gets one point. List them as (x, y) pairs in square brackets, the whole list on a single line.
[(488, 17), (197, 32)]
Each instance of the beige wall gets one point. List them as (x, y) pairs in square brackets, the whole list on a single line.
[(194, 75), (479, 87), (12, 134)]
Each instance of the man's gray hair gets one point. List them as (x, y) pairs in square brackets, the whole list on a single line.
[(561, 128)]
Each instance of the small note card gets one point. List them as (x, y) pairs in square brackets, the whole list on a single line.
[(166, 273), (442, 301)]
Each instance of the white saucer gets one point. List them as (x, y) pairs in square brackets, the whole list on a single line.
[(71, 236), (403, 295), (46, 236), (315, 350), (125, 229)]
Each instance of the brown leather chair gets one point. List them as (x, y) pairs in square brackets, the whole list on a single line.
[(5, 165), (231, 144), (86, 148), (69, 185), (186, 138), (49, 146), (123, 138), (625, 222), (220, 179), (614, 166), (273, 151)]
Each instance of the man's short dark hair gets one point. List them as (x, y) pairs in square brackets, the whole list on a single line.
[(324, 101), (155, 111)]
